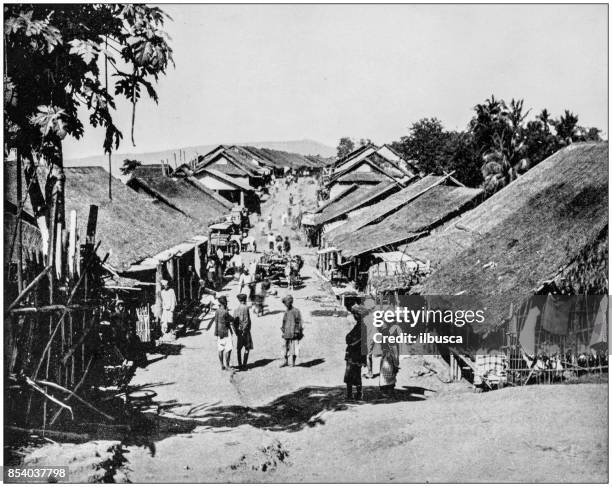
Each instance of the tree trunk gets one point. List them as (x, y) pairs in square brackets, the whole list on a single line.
[(41, 211), (54, 192)]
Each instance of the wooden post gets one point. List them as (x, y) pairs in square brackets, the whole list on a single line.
[(19, 229), (92, 222), (72, 237), (83, 343), (179, 287), (58, 250)]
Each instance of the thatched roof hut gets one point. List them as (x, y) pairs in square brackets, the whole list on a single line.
[(280, 159), (130, 226), (524, 235), (427, 210), (385, 207), (382, 159), (186, 195), (358, 197)]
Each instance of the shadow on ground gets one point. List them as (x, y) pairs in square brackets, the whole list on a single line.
[(312, 363), (262, 362), (297, 410)]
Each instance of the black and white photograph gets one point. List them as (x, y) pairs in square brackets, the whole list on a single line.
[(306, 243)]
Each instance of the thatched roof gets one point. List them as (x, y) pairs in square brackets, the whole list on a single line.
[(238, 163), (320, 161), (237, 183), (130, 227), (412, 220), (31, 239), (151, 170), (524, 234), (342, 194), (191, 199), (356, 154), (386, 206), (373, 156), (244, 161), (373, 177), (362, 196), (280, 159)]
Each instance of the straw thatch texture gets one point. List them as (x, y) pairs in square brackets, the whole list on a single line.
[(243, 161), (343, 194), (525, 234), (151, 170), (373, 177), (385, 207), (280, 159), (418, 216), (237, 183), (31, 239), (575, 165), (361, 197), (130, 227), (188, 198)]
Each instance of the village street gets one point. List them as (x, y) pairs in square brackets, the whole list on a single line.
[(293, 424)]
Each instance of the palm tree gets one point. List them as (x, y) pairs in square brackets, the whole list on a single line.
[(566, 127), (504, 163), (499, 131), (544, 118)]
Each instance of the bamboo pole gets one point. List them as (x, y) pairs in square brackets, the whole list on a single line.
[(29, 287), (70, 298), (72, 361), (78, 398), (19, 227), (59, 435), (76, 388), (83, 343), (50, 309)]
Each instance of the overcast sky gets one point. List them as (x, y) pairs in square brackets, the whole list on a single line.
[(281, 72)]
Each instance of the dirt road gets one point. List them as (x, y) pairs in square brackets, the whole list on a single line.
[(294, 425)]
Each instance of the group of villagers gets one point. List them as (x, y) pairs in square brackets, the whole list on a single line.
[(239, 324)]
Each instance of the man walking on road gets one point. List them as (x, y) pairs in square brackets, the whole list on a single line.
[(242, 319), (223, 332), (293, 331)]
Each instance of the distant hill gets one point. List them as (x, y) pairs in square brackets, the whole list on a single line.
[(305, 147)]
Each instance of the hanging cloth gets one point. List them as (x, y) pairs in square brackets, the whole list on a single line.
[(556, 314), (197, 261), (600, 326), (527, 336)]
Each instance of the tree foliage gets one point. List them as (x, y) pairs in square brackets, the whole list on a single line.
[(498, 146), (57, 61), (55, 56), (129, 165), (345, 147), (438, 151)]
